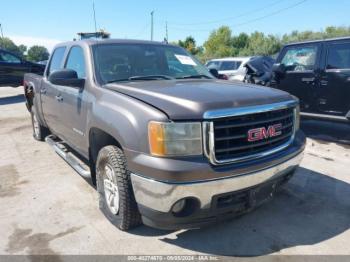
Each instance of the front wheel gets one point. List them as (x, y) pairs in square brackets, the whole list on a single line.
[(116, 196)]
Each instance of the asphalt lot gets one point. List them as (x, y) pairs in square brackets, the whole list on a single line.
[(47, 208)]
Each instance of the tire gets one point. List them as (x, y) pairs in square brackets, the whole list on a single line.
[(116, 196), (39, 131)]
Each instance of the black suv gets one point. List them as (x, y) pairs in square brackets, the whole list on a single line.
[(318, 73), (13, 68)]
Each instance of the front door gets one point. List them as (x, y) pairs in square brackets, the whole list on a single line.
[(334, 89), (12, 69), (300, 78)]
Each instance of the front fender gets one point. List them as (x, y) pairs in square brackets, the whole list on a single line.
[(124, 118)]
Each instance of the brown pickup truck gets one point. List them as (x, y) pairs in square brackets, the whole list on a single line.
[(165, 142)]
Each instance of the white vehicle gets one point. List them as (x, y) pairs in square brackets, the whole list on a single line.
[(232, 67)]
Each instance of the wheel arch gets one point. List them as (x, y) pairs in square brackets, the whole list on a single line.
[(29, 95), (98, 139)]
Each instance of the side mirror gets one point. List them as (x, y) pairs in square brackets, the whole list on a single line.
[(66, 77), (279, 69), (214, 72)]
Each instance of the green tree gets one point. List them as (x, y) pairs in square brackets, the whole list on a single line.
[(259, 44), (8, 44), (219, 43), (241, 41), (22, 49), (190, 44), (37, 53)]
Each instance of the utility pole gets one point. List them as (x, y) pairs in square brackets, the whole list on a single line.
[(152, 25), (2, 33), (93, 8), (166, 31)]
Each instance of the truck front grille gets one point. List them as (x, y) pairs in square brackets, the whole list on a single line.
[(251, 135)]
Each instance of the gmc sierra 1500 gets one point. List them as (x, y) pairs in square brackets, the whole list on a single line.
[(166, 143)]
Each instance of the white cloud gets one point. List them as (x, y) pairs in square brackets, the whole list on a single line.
[(29, 41)]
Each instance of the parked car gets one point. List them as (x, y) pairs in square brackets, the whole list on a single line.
[(43, 62), (170, 146), (259, 70), (13, 68), (232, 67), (318, 73)]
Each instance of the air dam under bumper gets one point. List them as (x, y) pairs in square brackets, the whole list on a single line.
[(154, 197)]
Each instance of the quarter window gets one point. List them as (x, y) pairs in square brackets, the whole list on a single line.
[(301, 58), (339, 56), (56, 60), (76, 61)]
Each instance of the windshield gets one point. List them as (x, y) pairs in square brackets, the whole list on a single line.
[(141, 62), (224, 65)]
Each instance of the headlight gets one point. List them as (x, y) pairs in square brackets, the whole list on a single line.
[(297, 118), (175, 139)]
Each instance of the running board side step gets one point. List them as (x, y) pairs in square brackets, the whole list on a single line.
[(69, 157), (326, 117)]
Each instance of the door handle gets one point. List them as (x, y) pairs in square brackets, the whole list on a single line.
[(324, 82), (59, 98), (308, 79)]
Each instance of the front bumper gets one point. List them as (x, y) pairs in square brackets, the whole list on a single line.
[(155, 198)]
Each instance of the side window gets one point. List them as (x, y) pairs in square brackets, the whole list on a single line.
[(56, 60), (8, 58), (302, 58), (228, 65), (76, 61), (339, 56)]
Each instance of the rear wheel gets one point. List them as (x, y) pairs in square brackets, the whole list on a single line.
[(116, 197), (39, 131)]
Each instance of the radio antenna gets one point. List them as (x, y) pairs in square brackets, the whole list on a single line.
[(2, 33), (93, 8)]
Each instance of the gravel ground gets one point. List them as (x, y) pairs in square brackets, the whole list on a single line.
[(47, 208)]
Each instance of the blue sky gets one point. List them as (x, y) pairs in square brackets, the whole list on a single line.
[(47, 22)]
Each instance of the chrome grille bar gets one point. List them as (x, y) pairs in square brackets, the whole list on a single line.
[(209, 131)]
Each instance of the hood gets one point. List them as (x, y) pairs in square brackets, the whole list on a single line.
[(190, 99)]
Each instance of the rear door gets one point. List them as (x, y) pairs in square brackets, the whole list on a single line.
[(50, 96), (334, 89), (301, 63), (12, 69)]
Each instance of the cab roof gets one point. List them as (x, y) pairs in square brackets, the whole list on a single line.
[(319, 41), (92, 42)]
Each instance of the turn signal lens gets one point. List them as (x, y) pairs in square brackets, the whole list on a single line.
[(156, 138), (175, 139)]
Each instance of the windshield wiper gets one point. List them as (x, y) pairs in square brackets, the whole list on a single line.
[(151, 77), (141, 78), (194, 77)]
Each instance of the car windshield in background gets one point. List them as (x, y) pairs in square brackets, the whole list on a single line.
[(224, 65), (142, 62)]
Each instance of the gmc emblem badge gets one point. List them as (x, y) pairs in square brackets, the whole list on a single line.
[(261, 133)]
